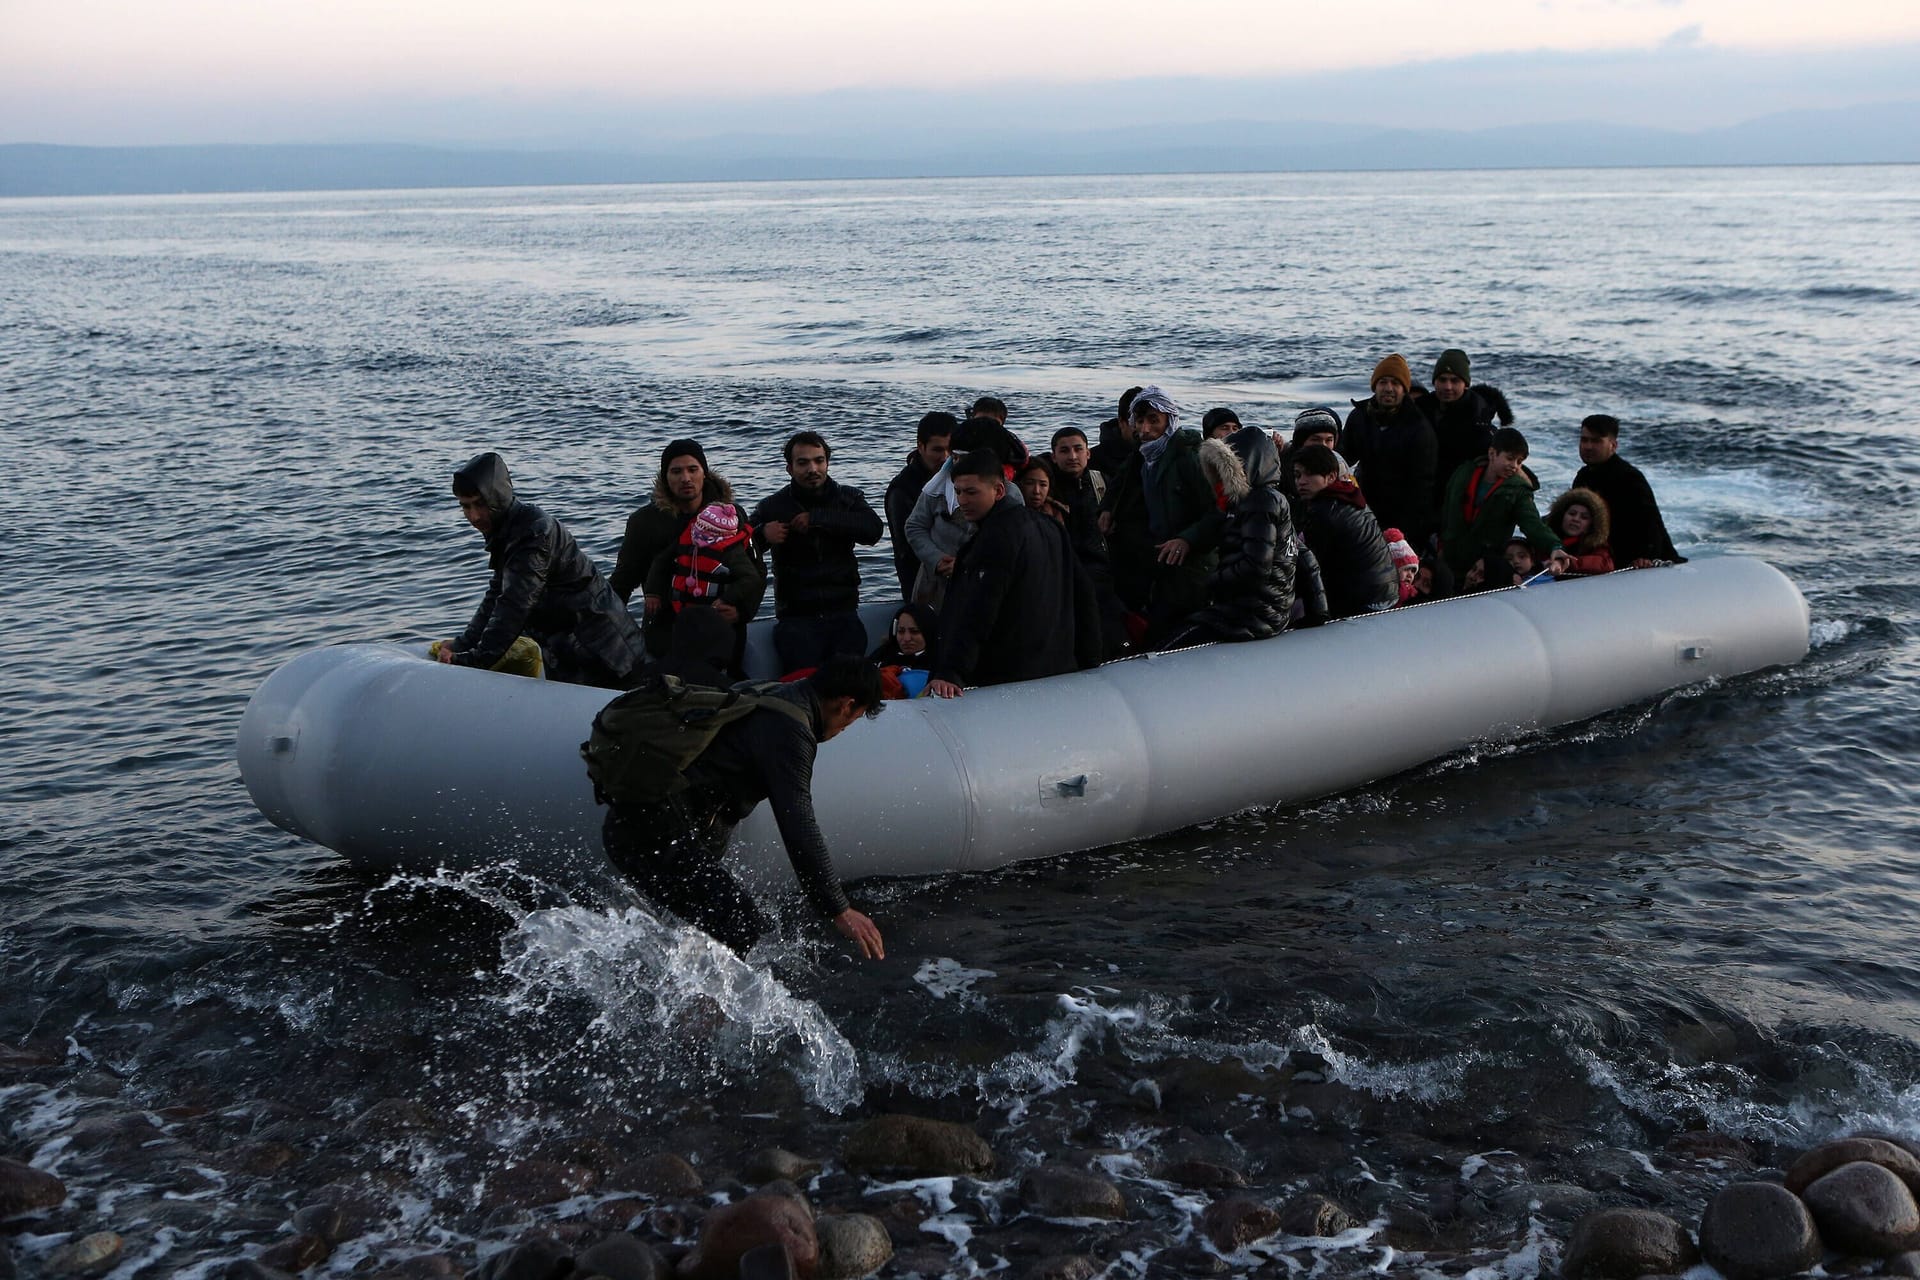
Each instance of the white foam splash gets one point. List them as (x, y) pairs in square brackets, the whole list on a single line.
[(641, 974), (943, 976), (1433, 1081), (1832, 631)]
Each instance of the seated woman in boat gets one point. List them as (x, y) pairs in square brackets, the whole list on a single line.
[(905, 657), (1579, 517)]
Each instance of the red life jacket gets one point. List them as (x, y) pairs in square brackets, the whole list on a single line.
[(698, 572), (1470, 506)]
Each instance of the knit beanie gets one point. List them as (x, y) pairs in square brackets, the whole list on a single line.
[(1395, 367), (683, 449), (716, 523), (1314, 421), (1454, 361), (1400, 550), (1218, 417)]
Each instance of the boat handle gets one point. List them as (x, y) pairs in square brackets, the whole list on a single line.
[(1074, 786)]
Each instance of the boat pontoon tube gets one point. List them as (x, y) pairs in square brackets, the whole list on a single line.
[(396, 761)]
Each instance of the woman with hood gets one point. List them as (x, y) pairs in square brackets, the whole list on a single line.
[(1251, 587), (1579, 518)]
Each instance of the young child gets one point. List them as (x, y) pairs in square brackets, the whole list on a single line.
[(1520, 559), (1406, 562), (1579, 516), (712, 564), (1486, 499)]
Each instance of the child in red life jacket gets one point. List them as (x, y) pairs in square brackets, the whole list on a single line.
[(713, 564)]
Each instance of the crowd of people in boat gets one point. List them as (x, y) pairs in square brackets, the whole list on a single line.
[(1015, 564)]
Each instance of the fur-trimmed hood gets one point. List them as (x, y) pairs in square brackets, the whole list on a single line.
[(1223, 470), (716, 489), (1598, 536)]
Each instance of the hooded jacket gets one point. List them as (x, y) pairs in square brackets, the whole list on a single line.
[(653, 529), (1591, 552), (1638, 532), (1020, 606), (1395, 459), (1473, 529), (1355, 569), (1109, 457), (1184, 497), (1251, 587), (814, 573), (543, 585)]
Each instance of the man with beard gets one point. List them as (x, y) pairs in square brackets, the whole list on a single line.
[(1394, 453), (1463, 415), (811, 526), (683, 486), (543, 586)]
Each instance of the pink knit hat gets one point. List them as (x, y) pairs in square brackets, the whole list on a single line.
[(1398, 548), (716, 523)]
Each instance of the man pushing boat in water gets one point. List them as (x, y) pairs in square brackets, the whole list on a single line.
[(667, 831)]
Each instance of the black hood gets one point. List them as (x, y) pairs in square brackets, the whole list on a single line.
[(1255, 449), (487, 476)]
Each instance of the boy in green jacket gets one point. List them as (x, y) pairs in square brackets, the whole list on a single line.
[(1487, 499)]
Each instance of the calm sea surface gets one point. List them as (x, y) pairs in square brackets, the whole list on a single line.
[(228, 424)]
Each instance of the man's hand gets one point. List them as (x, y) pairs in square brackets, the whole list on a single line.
[(800, 524), (726, 611), (1105, 522), (943, 688), (774, 532), (443, 651), (855, 927), (1644, 563), (945, 567), (1560, 562), (1174, 551), (650, 605)]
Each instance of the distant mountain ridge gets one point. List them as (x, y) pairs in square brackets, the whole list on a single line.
[(1881, 134)]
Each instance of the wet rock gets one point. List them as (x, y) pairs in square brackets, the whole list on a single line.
[(659, 1175), (7, 1270), (1196, 1082), (1203, 1174), (924, 1261), (1758, 1230), (261, 1159), (532, 1260), (127, 1132), (902, 1219), (1711, 1146), (533, 1182), (25, 1061), (1189, 1260), (1064, 1266), (619, 1257), (1620, 1244), (776, 1164), (1238, 1221), (729, 1231), (1551, 1201), (781, 1187), (1828, 1156), (1903, 1264), (392, 1118), (1056, 1191), (917, 1146), (92, 1255), (767, 1262), (577, 1149), (618, 1215), (252, 1269), (297, 1253), (323, 1220), (1314, 1215), (429, 1266), (25, 1189), (851, 1245), (1864, 1208)]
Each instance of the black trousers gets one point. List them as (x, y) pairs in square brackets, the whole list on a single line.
[(674, 854)]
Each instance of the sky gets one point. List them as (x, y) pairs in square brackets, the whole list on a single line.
[(600, 72)]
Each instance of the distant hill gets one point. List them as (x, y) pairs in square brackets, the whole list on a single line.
[(1886, 133)]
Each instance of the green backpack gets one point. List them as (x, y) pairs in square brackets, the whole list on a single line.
[(643, 741)]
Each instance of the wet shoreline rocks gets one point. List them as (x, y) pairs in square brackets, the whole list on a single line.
[(1221, 1169)]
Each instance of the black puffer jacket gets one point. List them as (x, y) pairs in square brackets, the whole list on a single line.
[(1251, 588), (1354, 564), (1464, 429), (543, 585), (1021, 607), (1396, 460), (814, 572), (768, 755)]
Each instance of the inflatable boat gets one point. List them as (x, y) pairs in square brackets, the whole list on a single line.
[(396, 761)]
